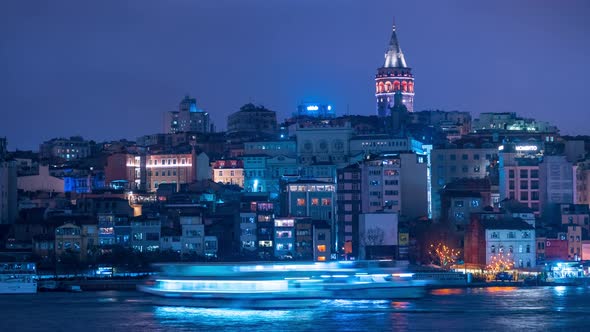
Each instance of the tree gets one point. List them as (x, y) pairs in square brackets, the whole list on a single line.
[(249, 107), (443, 256), (500, 262), (374, 236)]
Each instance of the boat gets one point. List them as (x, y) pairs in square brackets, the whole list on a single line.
[(72, 288), (48, 285), (437, 279), (277, 285), (18, 278), (379, 286)]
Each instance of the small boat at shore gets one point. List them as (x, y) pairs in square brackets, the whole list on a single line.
[(278, 285), (73, 288), (48, 285)]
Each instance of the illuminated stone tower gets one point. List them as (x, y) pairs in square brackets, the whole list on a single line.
[(395, 75)]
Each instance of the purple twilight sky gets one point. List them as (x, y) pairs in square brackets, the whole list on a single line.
[(109, 69)]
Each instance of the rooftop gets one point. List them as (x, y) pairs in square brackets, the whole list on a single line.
[(514, 206), (309, 181), (508, 223), (394, 57)]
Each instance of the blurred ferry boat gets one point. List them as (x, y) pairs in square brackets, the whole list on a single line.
[(437, 279), (18, 278), (279, 285)]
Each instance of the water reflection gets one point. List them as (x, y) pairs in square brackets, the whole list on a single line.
[(232, 319), (500, 289), (399, 322), (355, 304), (447, 291), (502, 309), (107, 299), (189, 313), (559, 290), (401, 305)]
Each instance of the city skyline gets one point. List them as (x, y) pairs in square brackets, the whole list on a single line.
[(113, 70)]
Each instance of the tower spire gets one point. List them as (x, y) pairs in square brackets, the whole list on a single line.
[(394, 82), (394, 58)]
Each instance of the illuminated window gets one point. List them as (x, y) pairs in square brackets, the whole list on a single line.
[(314, 201), (284, 246), (283, 234), (266, 244), (106, 230), (284, 222), (322, 248), (300, 202), (390, 172), (326, 201), (321, 258)]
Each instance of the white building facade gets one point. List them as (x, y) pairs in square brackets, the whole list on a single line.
[(517, 245)]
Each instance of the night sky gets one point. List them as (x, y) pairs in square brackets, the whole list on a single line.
[(110, 69)]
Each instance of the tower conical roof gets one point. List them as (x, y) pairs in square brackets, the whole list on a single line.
[(394, 58)]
